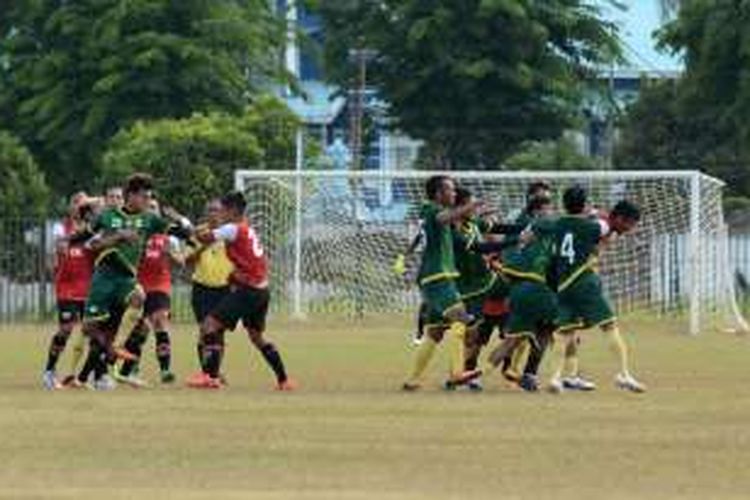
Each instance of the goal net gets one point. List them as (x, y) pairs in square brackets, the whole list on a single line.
[(332, 238)]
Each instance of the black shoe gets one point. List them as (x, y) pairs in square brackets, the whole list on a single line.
[(528, 383)]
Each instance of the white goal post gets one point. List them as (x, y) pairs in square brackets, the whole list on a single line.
[(332, 237)]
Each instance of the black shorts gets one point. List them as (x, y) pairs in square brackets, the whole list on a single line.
[(488, 326), (70, 310), (204, 299), (155, 302), (243, 303)]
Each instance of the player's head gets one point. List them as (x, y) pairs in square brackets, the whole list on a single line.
[(77, 201), (539, 188), (138, 192), (213, 212), (539, 206), (575, 200), (113, 197), (441, 189), (624, 216), (233, 205)]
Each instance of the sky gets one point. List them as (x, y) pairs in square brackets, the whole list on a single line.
[(637, 25)]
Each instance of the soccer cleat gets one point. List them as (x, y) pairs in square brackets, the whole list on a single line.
[(168, 377), (556, 386), (76, 384), (105, 383), (578, 383), (287, 385), (203, 380), (528, 383), (50, 382), (465, 377), (124, 354), (132, 380), (68, 380), (475, 385), (449, 385), (417, 339), (411, 387), (628, 383)]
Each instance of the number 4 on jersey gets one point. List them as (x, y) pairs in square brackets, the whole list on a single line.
[(567, 249)]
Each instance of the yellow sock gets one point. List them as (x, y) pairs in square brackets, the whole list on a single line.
[(79, 344), (519, 357), (620, 348), (455, 341), (559, 355), (424, 354), (571, 356), (130, 318)]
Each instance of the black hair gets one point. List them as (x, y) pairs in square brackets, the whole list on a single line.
[(626, 209), (235, 201), (537, 202), (536, 186), (574, 200), (138, 182), (462, 195), (434, 184)]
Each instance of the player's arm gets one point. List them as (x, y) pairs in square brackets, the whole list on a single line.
[(227, 232), (103, 240), (451, 215), (175, 252)]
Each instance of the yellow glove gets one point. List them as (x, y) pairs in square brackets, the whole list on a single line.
[(399, 265)]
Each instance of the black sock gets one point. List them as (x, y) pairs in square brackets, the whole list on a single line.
[(163, 350), (536, 355), (56, 347), (134, 345), (211, 355), (95, 358), (199, 350), (273, 358)]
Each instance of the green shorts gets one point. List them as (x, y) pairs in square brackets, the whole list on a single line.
[(439, 298), (109, 293), (533, 306), (583, 305)]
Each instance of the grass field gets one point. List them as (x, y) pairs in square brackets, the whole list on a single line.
[(349, 433)]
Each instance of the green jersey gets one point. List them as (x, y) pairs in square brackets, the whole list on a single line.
[(534, 260), (127, 255), (475, 277), (577, 243), (438, 261)]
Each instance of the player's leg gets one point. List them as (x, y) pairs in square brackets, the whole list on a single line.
[(572, 378), (421, 321), (255, 324), (623, 379), (158, 313), (424, 354), (562, 339), (67, 319), (79, 346)]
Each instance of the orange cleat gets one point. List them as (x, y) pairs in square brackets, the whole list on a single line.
[(124, 354), (202, 380), (287, 386)]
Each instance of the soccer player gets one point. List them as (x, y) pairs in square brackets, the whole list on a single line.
[(73, 269), (582, 301), (211, 271), (413, 253), (113, 197), (247, 299), (437, 281), (120, 237), (533, 303), (155, 277)]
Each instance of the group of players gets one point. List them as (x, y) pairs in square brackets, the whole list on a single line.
[(113, 274), (535, 279)]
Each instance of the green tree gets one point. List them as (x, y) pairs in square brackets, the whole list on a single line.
[(195, 158), (561, 154), (74, 73), (474, 79), (699, 121), (23, 191)]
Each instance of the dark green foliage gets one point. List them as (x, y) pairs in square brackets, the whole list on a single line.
[(195, 158), (74, 73), (477, 78)]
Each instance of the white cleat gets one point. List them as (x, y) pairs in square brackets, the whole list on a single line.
[(105, 384), (556, 386), (578, 383), (626, 382), (132, 380), (50, 382)]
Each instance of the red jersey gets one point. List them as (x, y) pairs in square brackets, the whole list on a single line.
[(244, 249), (155, 269), (74, 266)]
